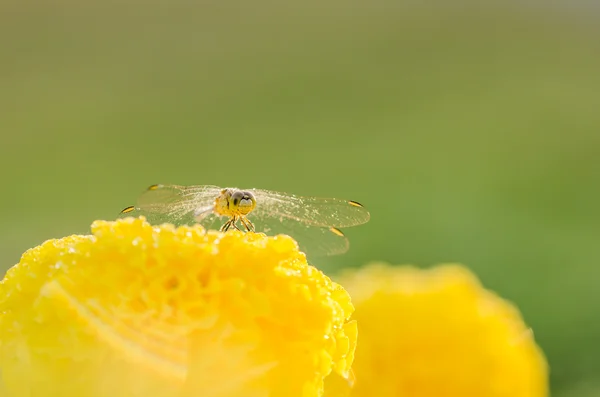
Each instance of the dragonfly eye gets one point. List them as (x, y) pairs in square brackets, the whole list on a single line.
[(242, 202), (236, 197), (247, 203)]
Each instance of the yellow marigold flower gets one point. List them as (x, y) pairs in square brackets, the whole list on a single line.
[(136, 310), (439, 333)]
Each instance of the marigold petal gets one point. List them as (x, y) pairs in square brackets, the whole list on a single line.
[(141, 310), (438, 332)]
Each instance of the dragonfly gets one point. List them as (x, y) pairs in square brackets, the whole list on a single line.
[(313, 222)]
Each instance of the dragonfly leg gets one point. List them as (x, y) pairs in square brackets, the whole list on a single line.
[(233, 221), (247, 224), (226, 225)]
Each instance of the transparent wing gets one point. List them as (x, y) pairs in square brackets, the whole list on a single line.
[(314, 241), (176, 204), (314, 211)]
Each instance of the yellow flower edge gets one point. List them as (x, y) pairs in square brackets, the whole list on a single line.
[(141, 310), (439, 332)]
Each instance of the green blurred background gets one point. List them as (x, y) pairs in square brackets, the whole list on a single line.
[(471, 132)]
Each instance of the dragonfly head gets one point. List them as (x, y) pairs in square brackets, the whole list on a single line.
[(242, 202)]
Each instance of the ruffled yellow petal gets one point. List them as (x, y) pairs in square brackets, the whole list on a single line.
[(439, 333), (136, 310)]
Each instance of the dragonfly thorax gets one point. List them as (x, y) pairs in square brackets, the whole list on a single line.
[(234, 202)]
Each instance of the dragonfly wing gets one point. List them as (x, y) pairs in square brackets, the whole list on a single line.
[(314, 241), (314, 211), (177, 204)]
